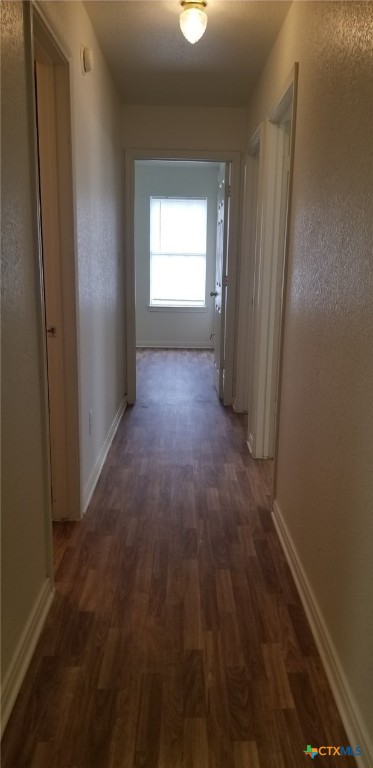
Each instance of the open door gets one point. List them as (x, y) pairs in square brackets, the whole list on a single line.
[(221, 277)]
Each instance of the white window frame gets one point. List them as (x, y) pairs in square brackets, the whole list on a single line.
[(178, 306)]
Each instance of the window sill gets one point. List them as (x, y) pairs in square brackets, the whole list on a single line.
[(170, 308)]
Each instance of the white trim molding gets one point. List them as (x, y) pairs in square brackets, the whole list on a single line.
[(23, 653), (352, 720), (254, 142), (250, 444), (92, 482), (245, 314)]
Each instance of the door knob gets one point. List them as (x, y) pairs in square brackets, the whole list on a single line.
[(51, 331), (213, 293)]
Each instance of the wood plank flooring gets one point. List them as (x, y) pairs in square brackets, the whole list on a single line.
[(176, 638)]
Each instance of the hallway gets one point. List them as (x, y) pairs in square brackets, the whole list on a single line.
[(176, 638)]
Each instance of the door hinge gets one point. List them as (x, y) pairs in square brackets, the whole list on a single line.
[(228, 190)]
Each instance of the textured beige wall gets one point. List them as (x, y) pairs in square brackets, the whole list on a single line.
[(24, 448), (98, 163), (325, 473), (184, 128)]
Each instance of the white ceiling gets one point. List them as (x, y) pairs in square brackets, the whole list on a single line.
[(152, 63)]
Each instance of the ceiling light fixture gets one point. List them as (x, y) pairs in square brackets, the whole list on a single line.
[(193, 19)]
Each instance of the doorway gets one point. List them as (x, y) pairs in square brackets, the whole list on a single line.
[(57, 249), (270, 167), (134, 280), (245, 330), (175, 246)]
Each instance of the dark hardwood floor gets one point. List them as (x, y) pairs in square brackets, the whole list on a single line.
[(176, 638)]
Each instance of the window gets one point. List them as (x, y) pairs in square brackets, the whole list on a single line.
[(178, 234)]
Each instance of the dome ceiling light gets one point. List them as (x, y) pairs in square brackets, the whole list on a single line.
[(193, 19)]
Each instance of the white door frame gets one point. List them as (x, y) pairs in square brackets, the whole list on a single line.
[(233, 242), (46, 47), (270, 274), (220, 284), (246, 275), (290, 90)]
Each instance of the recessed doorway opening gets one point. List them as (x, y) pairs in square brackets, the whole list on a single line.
[(175, 297)]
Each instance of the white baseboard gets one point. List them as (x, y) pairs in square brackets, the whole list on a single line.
[(92, 482), (25, 648), (353, 722), (173, 345)]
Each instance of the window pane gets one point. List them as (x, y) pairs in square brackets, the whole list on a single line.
[(178, 226), (178, 233), (177, 280), (155, 225)]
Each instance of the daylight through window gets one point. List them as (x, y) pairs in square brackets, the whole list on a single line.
[(178, 235)]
